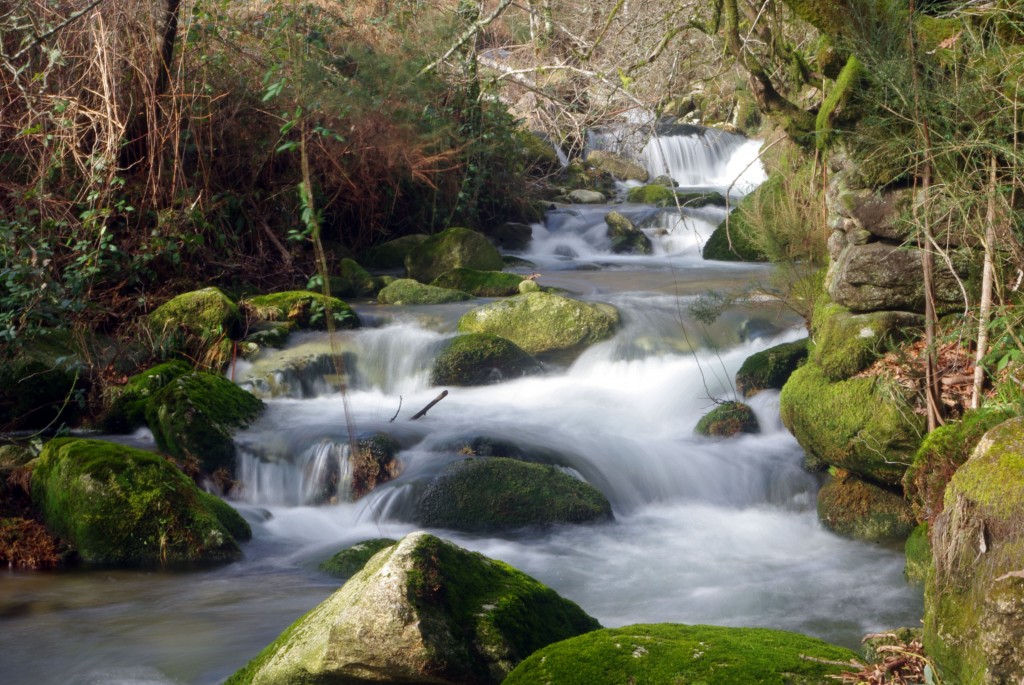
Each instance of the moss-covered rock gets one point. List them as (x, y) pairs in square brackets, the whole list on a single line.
[(269, 333), (495, 493), (352, 280), (122, 506), (742, 248), (918, 552), (195, 415), (392, 254), (862, 425), (618, 166), (661, 196), (127, 410), (541, 322), (450, 249), (857, 509), (974, 599), (302, 308), (480, 359), (200, 324), (626, 238), (728, 419), (672, 653), (351, 560), (376, 463), (771, 368), (480, 283), (582, 196), (228, 517), (845, 344), (42, 384), (421, 611), (941, 454), (408, 291)]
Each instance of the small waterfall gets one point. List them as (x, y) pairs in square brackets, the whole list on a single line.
[(321, 473), (711, 158)]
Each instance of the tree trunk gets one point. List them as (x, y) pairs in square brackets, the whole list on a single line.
[(985, 306)]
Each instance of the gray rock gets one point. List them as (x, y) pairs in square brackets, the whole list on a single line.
[(626, 238), (586, 197), (618, 166)]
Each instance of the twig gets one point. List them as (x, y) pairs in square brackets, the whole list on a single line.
[(55, 29), (397, 410), (423, 412)]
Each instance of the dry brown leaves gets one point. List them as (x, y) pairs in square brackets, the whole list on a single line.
[(901, 664)]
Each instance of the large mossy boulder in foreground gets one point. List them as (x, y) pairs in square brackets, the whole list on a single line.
[(421, 611), (351, 560), (974, 599), (480, 283), (303, 308), (496, 493), (861, 425), (195, 415), (540, 322), (450, 249), (667, 653), (122, 506), (200, 324), (771, 368), (480, 359), (408, 291), (128, 408), (857, 509), (728, 419)]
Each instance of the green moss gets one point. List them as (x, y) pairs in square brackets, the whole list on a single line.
[(269, 333), (128, 409), (352, 280), (496, 493), (199, 324), (480, 283), (771, 368), (862, 425), (626, 238), (845, 344), (854, 508), (670, 653), (835, 109), (480, 359), (743, 249), (391, 255), (228, 517), (452, 248), (118, 505), (302, 308), (408, 291), (994, 479), (662, 196), (247, 674), (351, 560), (728, 419), (918, 552), (195, 415)]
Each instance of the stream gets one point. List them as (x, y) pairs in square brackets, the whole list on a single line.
[(705, 531)]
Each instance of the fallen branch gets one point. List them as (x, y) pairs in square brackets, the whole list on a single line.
[(397, 410), (423, 412)]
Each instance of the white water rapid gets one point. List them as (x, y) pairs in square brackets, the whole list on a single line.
[(705, 531)]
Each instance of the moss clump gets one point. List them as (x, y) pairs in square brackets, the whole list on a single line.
[(351, 560), (408, 291), (495, 493), (450, 249), (391, 255), (655, 194), (122, 506), (836, 107), (943, 451), (743, 249), (199, 324), (302, 308), (854, 508), (480, 359), (128, 409), (540, 322), (671, 653), (194, 416), (846, 343), (771, 368), (728, 419), (918, 552), (862, 425), (480, 283), (376, 463), (352, 280)]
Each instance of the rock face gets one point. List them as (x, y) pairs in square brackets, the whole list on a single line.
[(408, 291), (673, 653), (422, 611), (974, 601), (626, 238), (728, 419), (303, 308), (496, 493), (480, 283), (480, 359), (855, 508), (618, 166), (126, 507), (450, 249), (771, 368), (845, 344), (391, 255), (198, 323), (541, 322)]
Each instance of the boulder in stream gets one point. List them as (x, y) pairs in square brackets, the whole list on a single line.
[(352, 280), (771, 368), (861, 510), (582, 196), (480, 283), (618, 166), (674, 653), (391, 255), (728, 419), (303, 308), (409, 291), (126, 507), (450, 249), (480, 359), (510, 235), (626, 238), (377, 463), (200, 324), (351, 560), (127, 409), (846, 343), (421, 611)]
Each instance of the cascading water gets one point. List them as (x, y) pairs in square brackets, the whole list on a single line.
[(709, 158), (705, 531)]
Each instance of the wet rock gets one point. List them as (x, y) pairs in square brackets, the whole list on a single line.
[(618, 166), (408, 291), (376, 463), (480, 359), (391, 255), (771, 368), (728, 419), (586, 197), (857, 509), (351, 560), (302, 308), (352, 280), (452, 248), (626, 238), (845, 343), (127, 410), (480, 283)]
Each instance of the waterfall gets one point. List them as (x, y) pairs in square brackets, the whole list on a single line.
[(710, 158)]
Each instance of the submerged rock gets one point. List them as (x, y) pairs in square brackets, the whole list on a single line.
[(855, 508), (495, 493), (626, 238), (302, 308), (771, 368), (480, 359), (673, 653), (408, 291), (480, 283), (450, 249), (421, 611), (127, 507), (351, 560), (728, 419)]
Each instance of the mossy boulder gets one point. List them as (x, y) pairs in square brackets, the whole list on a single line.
[(269, 333), (42, 384), (450, 249), (771, 368), (540, 322), (351, 560), (974, 599), (195, 415), (918, 552), (126, 507), (673, 653), (480, 359), (862, 425), (626, 238), (128, 408), (421, 611), (742, 248), (352, 280), (728, 419), (582, 196), (376, 463), (408, 291), (302, 308), (857, 509), (200, 324), (845, 343), (392, 254), (480, 283), (660, 195), (618, 166), (496, 493)]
